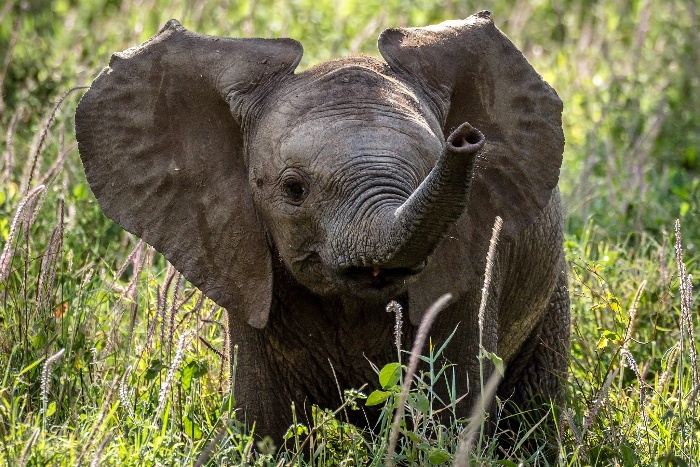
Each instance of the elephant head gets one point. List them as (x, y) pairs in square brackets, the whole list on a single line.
[(351, 173)]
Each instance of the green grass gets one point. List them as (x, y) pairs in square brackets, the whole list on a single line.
[(108, 356)]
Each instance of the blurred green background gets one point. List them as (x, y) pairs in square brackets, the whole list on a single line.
[(628, 73)]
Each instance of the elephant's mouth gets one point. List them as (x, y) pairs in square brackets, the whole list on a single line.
[(380, 278)]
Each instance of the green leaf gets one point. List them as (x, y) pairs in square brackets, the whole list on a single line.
[(613, 336), (187, 374), (390, 375), (51, 409), (227, 405), (419, 402), (154, 369), (671, 460), (438, 456), (412, 436), (296, 430), (191, 428), (80, 192), (377, 397), (615, 306), (193, 370), (628, 455), (602, 343), (30, 366), (497, 362), (201, 369), (606, 337)]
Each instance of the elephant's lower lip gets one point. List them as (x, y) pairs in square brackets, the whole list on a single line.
[(378, 278)]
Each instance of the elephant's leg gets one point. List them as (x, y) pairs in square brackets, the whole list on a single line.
[(537, 374), (261, 398)]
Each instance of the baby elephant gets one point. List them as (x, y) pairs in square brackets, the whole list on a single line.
[(304, 202)]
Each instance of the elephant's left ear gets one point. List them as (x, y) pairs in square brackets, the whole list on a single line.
[(161, 133), (471, 72)]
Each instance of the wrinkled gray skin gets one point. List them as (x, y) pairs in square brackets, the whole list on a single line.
[(304, 202)]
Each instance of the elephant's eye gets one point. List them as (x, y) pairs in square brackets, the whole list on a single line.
[(294, 188)]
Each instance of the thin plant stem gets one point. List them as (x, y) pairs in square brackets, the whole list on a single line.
[(422, 335)]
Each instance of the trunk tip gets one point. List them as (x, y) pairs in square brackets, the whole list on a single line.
[(466, 139)]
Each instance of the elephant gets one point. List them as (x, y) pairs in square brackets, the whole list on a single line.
[(304, 202)]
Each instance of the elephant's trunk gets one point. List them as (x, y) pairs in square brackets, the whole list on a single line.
[(420, 223)]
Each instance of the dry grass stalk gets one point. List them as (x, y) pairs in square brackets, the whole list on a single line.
[(568, 416), (633, 313), (226, 380), (396, 308), (688, 318), (324, 419), (476, 420), (599, 402), (6, 10), (173, 313), (30, 169), (33, 213), (686, 291), (97, 427), (8, 58), (22, 461), (205, 455), (161, 295), (139, 266), (490, 259), (58, 164), (49, 264), (488, 391), (184, 301), (6, 177), (163, 300), (421, 337), (691, 330), (129, 259), (128, 294), (8, 251), (216, 351), (165, 387), (672, 356), (635, 368), (46, 380), (149, 334), (125, 394), (97, 457)]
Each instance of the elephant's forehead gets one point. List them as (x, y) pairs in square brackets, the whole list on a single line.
[(354, 136), (327, 146), (349, 90), (328, 115)]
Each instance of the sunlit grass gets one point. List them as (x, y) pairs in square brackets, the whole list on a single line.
[(107, 357)]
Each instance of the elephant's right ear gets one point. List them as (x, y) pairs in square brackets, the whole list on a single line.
[(160, 135), (469, 71)]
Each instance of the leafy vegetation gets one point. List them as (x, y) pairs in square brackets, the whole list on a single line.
[(108, 357)]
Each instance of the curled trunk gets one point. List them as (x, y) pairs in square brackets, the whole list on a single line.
[(420, 223)]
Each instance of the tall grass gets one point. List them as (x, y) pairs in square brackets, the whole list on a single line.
[(108, 357)]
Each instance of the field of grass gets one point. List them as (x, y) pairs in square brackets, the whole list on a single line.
[(107, 357)]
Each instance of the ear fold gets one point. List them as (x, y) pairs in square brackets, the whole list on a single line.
[(469, 71), (161, 140)]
